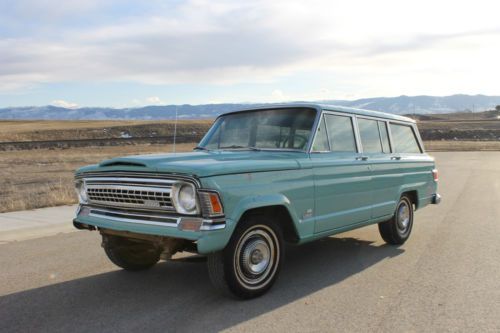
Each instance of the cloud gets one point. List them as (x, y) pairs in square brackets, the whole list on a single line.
[(358, 44), (154, 100), (64, 104)]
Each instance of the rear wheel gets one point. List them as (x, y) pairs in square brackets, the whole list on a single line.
[(397, 230), (250, 263), (130, 254)]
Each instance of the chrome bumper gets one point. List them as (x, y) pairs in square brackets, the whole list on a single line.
[(436, 199), (151, 218)]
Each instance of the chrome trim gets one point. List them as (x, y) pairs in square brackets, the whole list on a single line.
[(128, 187), (203, 205), (134, 218), (153, 176), (142, 218), (130, 180), (436, 199)]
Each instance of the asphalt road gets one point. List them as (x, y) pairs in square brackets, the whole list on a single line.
[(445, 278)]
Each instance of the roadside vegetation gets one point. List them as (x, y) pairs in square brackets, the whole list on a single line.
[(44, 177), (31, 177)]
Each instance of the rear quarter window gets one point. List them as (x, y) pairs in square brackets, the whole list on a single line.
[(404, 139)]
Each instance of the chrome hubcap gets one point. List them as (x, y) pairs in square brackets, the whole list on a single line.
[(256, 256), (403, 216)]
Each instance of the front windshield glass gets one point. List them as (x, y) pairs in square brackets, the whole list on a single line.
[(262, 129)]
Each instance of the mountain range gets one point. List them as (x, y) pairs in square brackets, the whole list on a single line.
[(396, 105)]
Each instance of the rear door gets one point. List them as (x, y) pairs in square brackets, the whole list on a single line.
[(342, 178), (385, 172)]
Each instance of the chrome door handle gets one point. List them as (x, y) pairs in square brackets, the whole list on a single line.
[(362, 158), (395, 158)]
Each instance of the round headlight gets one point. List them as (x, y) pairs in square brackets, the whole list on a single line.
[(81, 191), (184, 198), (187, 197)]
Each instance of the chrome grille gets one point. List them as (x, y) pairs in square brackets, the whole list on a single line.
[(131, 192), (130, 196)]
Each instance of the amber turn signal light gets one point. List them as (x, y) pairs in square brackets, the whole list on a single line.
[(215, 203)]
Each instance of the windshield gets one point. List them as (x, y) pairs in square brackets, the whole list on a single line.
[(262, 129)]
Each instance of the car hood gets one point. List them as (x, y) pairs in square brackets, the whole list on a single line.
[(204, 163)]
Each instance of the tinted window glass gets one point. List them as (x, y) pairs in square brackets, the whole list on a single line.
[(280, 128), (340, 133), (404, 139), (321, 140), (370, 137), (384, 137)]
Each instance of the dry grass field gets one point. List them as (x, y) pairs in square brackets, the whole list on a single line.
[(43, 178), (41, 130), (443, 145)]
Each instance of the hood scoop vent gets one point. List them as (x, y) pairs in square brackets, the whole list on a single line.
[(122, 163)]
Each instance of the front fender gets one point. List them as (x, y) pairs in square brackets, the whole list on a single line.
[(260, 201), (213, 241)]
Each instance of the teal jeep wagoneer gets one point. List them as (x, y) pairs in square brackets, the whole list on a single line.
[(259, 178)]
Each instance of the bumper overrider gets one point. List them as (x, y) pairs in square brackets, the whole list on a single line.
[(149, 204), (436, 199)]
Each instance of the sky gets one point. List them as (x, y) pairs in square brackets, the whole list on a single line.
[(122, 53)]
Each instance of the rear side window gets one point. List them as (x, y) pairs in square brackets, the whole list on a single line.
[(340, 133), (403, 139), (370, 136), (384, 137)]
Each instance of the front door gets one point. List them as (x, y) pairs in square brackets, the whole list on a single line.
[(342, 175)]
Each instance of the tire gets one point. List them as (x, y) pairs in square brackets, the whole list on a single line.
[(250, 263), (398, 229), (129, 254)]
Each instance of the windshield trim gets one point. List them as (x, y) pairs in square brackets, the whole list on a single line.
[(307, 148)]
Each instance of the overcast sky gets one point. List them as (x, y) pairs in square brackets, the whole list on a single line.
[(132, 53)]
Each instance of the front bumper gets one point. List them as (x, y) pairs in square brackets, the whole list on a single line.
[(210, 236), (436, 199)]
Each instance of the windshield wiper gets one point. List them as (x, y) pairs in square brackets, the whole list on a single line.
[(200, 148), (239, 147)]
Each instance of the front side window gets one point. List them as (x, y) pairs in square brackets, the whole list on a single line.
[(321, 140), (340, 133), (404, 139), (262, 129)]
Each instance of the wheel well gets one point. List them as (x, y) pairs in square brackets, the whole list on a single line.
[(413, 195), (281, 214)]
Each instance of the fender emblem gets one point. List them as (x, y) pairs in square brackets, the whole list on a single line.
[(308, 213)]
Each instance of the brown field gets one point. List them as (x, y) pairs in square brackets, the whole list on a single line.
[(43, 178), (443, 145), (41, 130)]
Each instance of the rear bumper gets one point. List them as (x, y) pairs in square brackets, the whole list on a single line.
[(436, 199)]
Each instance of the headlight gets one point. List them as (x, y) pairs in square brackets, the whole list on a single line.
[(81, 191), (184, 198)]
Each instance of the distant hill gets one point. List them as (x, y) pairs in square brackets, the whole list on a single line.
[(396, 105)]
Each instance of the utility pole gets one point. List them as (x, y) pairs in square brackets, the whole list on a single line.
[(175, 128)]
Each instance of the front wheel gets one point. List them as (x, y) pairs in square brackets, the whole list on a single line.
[(397, 230), (250, 263), (129, 254)]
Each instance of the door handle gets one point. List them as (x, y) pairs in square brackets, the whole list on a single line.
[(362, 158), (395, 158)]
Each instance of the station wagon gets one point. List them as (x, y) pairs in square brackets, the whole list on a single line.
[(260, 178)]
